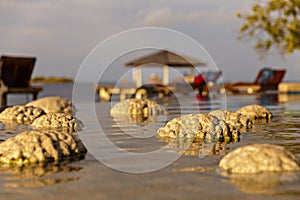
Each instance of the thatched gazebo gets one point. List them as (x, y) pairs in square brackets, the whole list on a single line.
[(165, 59)]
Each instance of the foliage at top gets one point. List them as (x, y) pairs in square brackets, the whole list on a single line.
[(274, 24)]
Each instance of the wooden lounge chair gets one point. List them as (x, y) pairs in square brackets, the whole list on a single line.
[(259, 84), (15, 74)]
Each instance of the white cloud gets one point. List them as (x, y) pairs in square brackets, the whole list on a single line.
[(159, 17), (219, 15)]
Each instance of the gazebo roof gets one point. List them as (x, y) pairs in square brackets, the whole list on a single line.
[(165, 57)]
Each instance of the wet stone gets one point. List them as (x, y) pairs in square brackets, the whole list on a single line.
[(256, 112), (21, 114), (257, 158), (53, 104), (199, 127), (137, 109), (235, 119), (60, 121), (36, 146)]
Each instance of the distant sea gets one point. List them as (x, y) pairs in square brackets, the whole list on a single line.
[(52, 89)]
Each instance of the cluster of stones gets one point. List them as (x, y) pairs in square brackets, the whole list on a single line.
[(199, 127), (250, 159), (219, 124), (48, 112), (43, 144), (37, 146), (259, 158), (137, 109)]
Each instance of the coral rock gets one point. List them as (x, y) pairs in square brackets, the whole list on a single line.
[(53, 104), (258, 158), (199, 127), (59, 121), (235, 119), (21, 114), (35, 146), (137, 109), (255, 112)]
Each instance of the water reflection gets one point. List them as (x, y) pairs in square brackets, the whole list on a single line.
[(11, 127), (284, 97), (266, 183), (276, 98), (284, 130), (194, 169), (267, 99), (39, 175), (41, 182), (126, 119), (196, 148)]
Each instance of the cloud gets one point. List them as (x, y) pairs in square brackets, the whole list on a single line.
[(172, 15), (160, 17)]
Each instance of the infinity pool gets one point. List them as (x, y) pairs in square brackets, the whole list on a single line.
[(193, 175)]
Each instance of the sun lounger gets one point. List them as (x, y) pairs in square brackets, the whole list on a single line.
[(15, 74), (267, 79)]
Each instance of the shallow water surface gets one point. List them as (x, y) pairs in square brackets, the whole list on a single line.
[(192, 176)]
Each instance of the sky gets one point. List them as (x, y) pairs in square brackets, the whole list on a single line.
[(61, 33)]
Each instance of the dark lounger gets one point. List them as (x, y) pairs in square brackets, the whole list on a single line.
[(15, 74)]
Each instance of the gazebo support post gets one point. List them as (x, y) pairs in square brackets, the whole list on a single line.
[(165, 75), (192, 71), (138, 78)]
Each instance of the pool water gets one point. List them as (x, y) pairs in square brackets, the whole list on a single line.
[(194, 175)]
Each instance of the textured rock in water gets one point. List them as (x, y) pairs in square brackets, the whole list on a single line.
[(21, 114), (36, 146), (258, 158), (199, 127), (53, 104), (235, 119), (137, 109), (59, 121), (255, 112)]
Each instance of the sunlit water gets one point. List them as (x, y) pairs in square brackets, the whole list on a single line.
[(189, 177)]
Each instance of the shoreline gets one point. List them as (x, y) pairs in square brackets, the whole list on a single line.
[(41, 79)]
